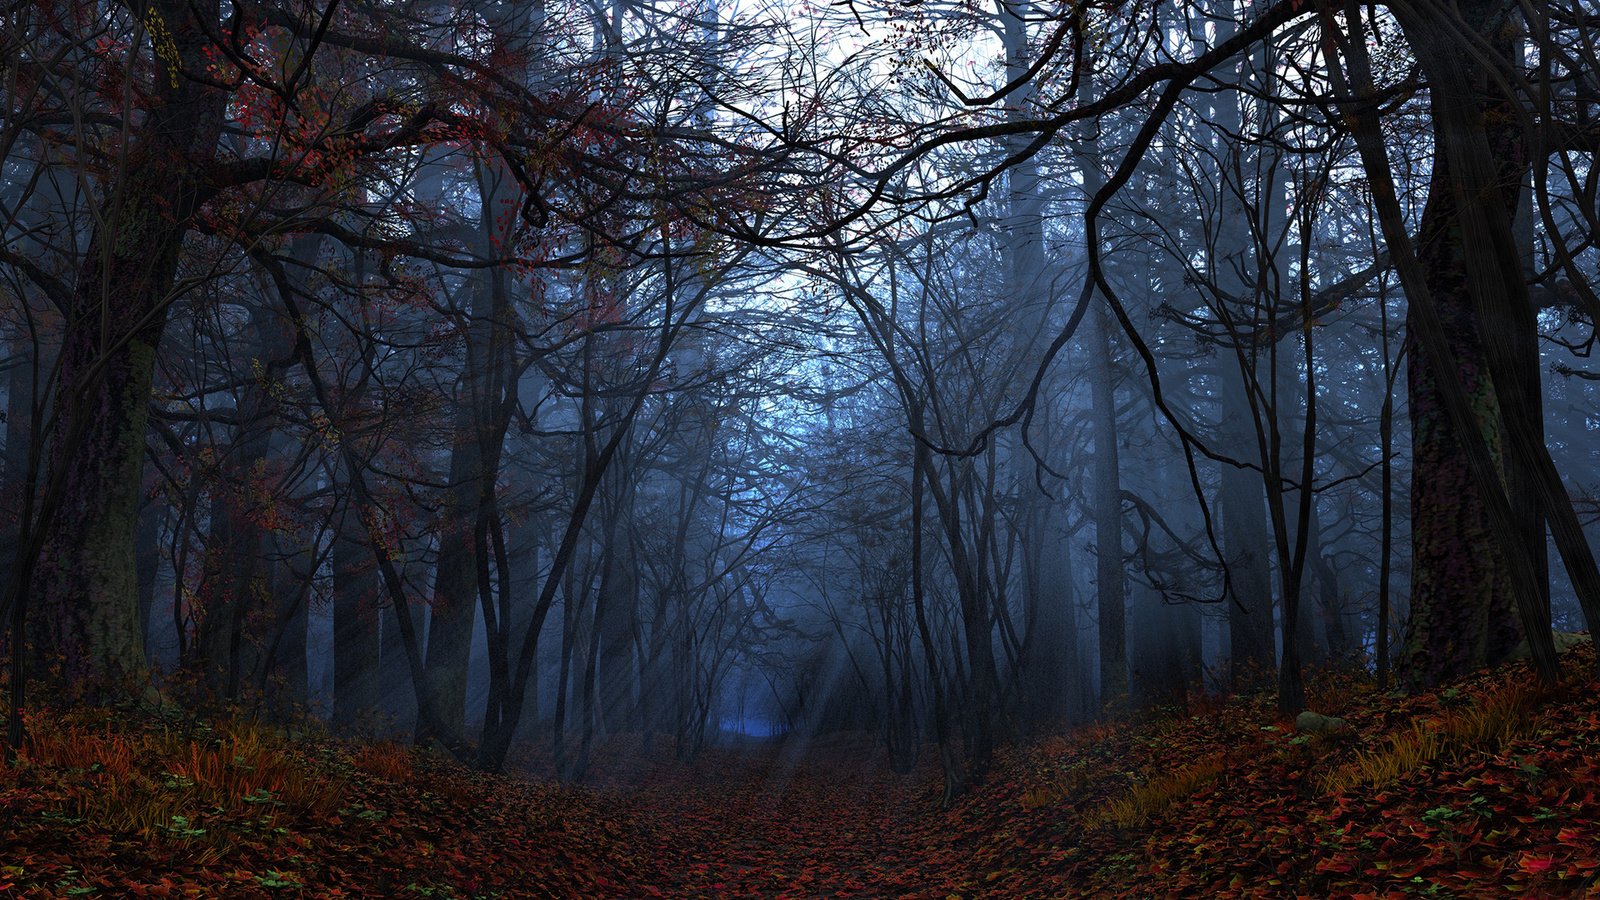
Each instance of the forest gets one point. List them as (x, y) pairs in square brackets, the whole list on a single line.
[(770, 448)]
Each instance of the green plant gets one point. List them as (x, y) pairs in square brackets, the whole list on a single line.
[(274, 880)]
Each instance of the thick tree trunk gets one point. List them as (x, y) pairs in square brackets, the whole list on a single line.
[(86, 585), (1462, 613), (1494, 281), (147, 558)]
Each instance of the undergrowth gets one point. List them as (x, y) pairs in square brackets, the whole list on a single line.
[(1154, 796), (386, 760), (161, 783), (107, 803), (1487, 722), (1485, 787)]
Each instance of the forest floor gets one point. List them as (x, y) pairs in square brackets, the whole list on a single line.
[(1487, 787)]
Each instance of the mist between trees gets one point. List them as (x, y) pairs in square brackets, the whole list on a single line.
[(524, 374)]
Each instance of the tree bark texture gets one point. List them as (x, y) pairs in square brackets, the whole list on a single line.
[(86, 585)]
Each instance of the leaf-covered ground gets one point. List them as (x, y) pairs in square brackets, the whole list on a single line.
[(1485, 788)]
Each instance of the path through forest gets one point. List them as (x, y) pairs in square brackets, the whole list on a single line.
[(1485, 786), (776, 820)]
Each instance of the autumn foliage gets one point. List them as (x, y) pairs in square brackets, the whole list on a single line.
[(387, 760), (1487, 786)]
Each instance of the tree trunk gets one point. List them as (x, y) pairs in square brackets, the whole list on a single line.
[(19, 440), (1244, 279), (147, 559), (455, 584), (86, 585), (1490, 257), (1109, 577), (355, 626), (618, 613), (1462, 614), (287, 689), (1051, 668), (230, 588)]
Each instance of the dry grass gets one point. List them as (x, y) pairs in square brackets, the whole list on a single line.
[(1486, 725), (1060, 782), (1407, 751), (161, 783), (1153, 796), (386, 760), (1335, 693), (1063, 784)]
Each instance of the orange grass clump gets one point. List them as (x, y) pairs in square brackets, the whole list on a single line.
[(162, 783), (1493, 720), (386, 760), (1154, 796), (1061, 786), (248, 766)]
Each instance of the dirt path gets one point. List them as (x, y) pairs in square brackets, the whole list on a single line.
[(771, 822)]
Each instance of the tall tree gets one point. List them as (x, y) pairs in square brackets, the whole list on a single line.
[(87, 589)]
